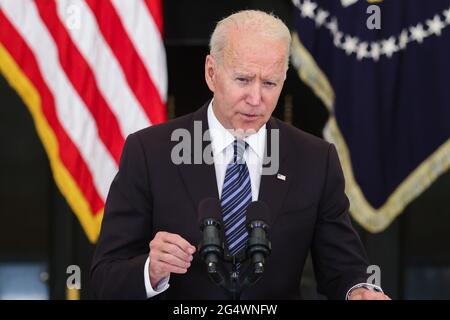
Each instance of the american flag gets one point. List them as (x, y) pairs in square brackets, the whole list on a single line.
[(90, 72)]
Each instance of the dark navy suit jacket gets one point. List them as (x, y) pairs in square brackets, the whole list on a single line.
[(309, 212)]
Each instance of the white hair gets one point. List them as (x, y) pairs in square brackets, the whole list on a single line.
[(256, 21)]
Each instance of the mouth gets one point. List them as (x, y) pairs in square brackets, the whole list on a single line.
[(249, 117)]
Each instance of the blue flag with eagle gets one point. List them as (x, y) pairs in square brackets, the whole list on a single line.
[(382, 68)]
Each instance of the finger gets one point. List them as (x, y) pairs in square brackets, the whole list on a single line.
[(379, 296), (167, 267), (176, 251), (179, 241), (369, 295), (173, 260)]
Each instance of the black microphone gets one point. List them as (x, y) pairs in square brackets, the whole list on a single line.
[(211, 247), (258, 246)]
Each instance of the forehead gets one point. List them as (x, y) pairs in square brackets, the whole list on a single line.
[(255, 53)]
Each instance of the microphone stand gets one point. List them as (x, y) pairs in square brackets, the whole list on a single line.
[(212, 250), (233, 286)]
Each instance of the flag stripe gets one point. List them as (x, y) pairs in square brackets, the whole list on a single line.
[(83, 80), (75, 119), (144, 34), (67, 151), (155, 9), (89, 40), (136, 74)]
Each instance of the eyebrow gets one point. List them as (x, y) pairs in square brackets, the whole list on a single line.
[(252, 76), (243, 74), (276, 80)]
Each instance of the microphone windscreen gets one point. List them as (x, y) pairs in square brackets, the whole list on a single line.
[(209, 208), (258, 210)]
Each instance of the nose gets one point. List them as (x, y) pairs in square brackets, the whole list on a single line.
[(254, 94)]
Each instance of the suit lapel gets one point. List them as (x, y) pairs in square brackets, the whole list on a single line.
[(199, 179), (273, 188)]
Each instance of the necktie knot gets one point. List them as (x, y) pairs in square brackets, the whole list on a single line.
[(239, 147)]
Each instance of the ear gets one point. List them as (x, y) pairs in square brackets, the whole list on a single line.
[(210, 72)]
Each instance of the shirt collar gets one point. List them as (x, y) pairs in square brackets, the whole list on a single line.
[(221, 138)]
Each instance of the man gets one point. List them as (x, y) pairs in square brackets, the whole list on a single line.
[(149, 233)]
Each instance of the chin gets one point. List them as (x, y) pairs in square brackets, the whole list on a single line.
[(253, 127)]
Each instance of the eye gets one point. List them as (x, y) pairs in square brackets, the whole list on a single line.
[(242, 80), (270, 84)]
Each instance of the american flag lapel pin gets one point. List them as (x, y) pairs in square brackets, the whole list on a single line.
[(281, 176)]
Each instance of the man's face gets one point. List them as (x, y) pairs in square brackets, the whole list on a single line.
[(248, 81)]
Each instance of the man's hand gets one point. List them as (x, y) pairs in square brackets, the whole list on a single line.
[(366, 294), (169, 253)]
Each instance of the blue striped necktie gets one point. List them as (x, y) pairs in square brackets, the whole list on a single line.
[(236, 196)]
